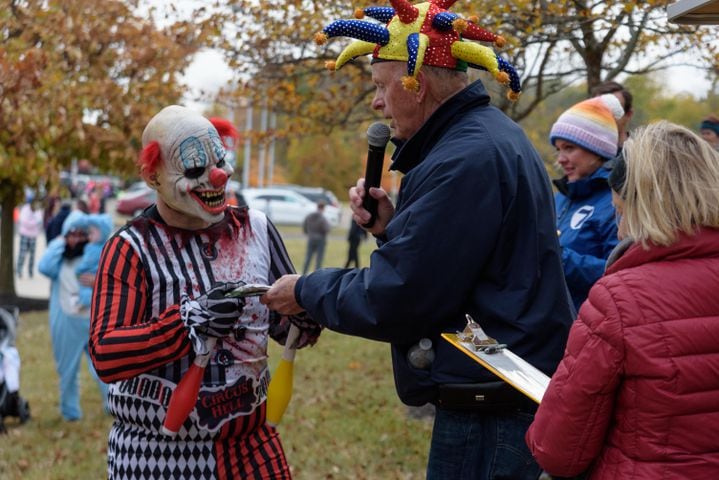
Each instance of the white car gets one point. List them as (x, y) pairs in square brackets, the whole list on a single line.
[(286, 207)]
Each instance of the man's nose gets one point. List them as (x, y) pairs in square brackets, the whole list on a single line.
[(218, 177), (377, 103)]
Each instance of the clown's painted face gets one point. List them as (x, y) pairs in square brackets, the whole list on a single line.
[(192, 174), (193, 178)]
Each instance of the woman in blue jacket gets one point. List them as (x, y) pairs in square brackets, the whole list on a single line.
[(585, 136)]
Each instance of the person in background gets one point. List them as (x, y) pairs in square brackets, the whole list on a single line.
[(355, 236), (30, 226), (99, 228), (69, 321), (51, 206), (160, 301), (82, 206), (54, 225), (473, 232), (709, 130), (94, 196), (626, 99), (636, 395), (585, 137), (316, 227)]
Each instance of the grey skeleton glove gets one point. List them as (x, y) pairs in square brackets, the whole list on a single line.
[(211, 314)]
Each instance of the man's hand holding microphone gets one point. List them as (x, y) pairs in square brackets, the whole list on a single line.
[(371, 208)]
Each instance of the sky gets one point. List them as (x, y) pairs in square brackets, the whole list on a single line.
[(209, 71)]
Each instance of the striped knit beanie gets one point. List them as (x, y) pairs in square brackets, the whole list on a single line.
[(592, 125)]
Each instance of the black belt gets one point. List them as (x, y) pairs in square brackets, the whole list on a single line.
[(489, 397)]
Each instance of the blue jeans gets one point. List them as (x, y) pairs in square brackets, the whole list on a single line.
[(480, 446)]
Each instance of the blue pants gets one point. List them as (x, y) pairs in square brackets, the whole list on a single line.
[(480, 446), (27, 248), (69, 340)]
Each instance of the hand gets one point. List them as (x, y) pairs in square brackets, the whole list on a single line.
[(86, 279), (281, 296), (385, 209), (211, 314)]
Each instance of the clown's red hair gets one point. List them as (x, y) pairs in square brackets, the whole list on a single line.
[(224, 129), (149, 158)]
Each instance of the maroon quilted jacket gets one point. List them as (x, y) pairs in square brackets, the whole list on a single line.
[(636, 395)]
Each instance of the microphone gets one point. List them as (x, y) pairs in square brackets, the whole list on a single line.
[(377, 137)]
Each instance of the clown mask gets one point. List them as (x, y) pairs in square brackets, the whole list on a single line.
[(192, 174)]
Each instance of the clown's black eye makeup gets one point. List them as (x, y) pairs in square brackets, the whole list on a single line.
[(194, 172), (221, 163)]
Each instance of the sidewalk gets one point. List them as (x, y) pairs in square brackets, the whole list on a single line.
[(39, 285)]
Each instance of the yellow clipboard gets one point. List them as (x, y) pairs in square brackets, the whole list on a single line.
[(508, 366)]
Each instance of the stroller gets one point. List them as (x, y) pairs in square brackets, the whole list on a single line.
[(11, 403)]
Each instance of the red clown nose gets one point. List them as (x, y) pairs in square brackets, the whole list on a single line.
[(218, 177)]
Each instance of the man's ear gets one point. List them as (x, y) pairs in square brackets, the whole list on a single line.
[(150, 179), (423, 89)]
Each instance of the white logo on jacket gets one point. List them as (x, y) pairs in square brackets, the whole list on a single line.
[(580, 216)]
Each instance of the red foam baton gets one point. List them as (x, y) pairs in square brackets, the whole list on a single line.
[(185, 395)]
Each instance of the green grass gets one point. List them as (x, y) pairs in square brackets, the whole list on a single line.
[(344, 421)]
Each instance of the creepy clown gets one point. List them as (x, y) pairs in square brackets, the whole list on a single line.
[(160, 302)]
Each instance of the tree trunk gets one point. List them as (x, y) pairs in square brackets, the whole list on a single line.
[(7, 232)]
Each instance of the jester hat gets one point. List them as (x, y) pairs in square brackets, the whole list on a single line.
[(422, 34)]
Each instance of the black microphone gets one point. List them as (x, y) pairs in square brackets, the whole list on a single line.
[(377, 136)]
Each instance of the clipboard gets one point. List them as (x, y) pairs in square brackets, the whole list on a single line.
[(508, 366)]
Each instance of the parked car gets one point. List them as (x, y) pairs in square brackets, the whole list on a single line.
[(134, 187), (315, 194), (134, 202), (285, 206)]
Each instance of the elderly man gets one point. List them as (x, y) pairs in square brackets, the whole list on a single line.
[(472, 233), (161, 301)]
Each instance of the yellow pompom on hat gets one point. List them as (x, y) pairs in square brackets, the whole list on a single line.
[(422, 34)]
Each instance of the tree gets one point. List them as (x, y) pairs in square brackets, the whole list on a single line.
[(552, 43), (80, 80), (559, 43)]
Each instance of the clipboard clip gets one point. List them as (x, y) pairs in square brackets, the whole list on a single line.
[(480, 341)]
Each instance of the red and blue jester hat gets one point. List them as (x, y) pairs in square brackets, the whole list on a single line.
[(422, 34)]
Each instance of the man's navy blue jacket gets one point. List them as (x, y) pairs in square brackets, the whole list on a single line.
[(473, 232)]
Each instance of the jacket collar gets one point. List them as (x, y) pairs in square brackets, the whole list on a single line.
[(410, 153), (705, 243), (584, 187)]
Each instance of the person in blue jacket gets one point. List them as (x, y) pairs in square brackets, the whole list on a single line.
[(99, 228), (585, 137), (69, 319), (473, 232)]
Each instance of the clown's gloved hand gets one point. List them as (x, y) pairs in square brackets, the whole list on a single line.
[(211, 315)]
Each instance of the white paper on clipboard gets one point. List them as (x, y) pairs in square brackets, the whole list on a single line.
[(511, 368)]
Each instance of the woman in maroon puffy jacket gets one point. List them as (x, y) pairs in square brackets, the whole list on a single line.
[(636, 395)]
